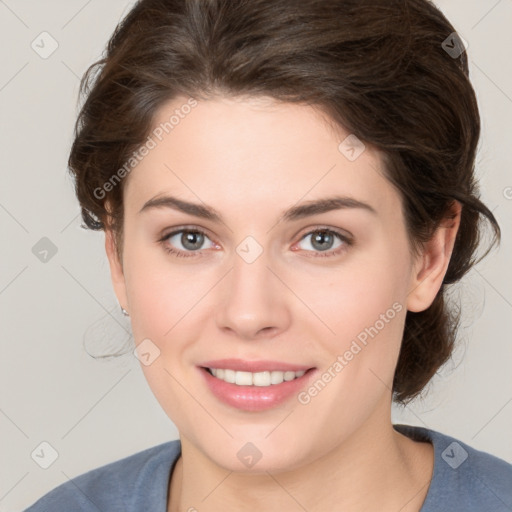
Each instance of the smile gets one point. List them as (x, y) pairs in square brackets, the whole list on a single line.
[(255, 391)]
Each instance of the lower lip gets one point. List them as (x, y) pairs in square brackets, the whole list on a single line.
[(255, 398)]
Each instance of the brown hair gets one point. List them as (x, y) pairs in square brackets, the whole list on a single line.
[(378, 68)]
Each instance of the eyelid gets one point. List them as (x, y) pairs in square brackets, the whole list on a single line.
[(342, 233), (178, 229)]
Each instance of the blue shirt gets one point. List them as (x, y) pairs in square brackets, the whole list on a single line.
[(464, 479)]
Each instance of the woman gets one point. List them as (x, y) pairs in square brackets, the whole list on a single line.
[(286, 190)]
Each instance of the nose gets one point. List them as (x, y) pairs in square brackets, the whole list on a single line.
[(253, 302)]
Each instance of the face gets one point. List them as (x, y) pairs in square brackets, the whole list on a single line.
[(321, 290)]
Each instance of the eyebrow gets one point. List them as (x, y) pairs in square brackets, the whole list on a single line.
[(300, 211)]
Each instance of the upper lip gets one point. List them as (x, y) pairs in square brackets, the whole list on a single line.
[(254, 366)]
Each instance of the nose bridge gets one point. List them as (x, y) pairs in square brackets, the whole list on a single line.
[(252, 301), (250, 273)]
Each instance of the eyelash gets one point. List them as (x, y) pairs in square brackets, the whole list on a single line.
[(347, 242)]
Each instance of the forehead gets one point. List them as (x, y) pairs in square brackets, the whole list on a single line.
[(235, 149)]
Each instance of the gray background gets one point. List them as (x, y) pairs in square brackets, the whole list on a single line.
[(95, 411)]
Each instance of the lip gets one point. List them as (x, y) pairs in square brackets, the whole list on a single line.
[(255, 398), (254, 366)]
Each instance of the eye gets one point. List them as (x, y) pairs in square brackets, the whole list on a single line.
[(189, 242), (185, 242), (322, 241)]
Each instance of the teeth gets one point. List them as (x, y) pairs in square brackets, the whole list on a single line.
[(229, 375), (262, 379), (243, 379)]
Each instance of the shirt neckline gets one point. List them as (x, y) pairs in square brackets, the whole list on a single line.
[(423, 434)]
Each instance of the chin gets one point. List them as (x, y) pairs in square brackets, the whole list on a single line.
[(253, 454)]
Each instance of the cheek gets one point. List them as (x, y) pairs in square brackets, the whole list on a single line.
[(355, 297), (166, 299), (363, 304), (161, 302)]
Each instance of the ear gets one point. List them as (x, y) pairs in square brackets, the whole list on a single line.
[(431, 265), (116, 268)]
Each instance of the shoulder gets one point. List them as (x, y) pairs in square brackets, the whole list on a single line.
[(464, 478), (126, 484)]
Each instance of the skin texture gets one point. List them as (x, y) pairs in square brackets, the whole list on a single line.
[(251, 159)]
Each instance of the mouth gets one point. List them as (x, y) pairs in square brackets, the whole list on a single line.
[(269, 384)]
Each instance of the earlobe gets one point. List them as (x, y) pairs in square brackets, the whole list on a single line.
[(116, 268), (431, 266)]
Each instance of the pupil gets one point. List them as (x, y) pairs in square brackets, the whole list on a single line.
[(321, 238), (191, 240)]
